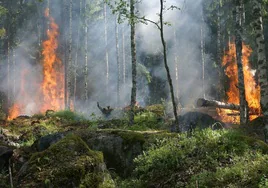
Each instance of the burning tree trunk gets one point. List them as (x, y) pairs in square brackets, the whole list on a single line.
[(241, 86), (134, 60), (218, 104), (262, 63), (118, 62), (166, 63)]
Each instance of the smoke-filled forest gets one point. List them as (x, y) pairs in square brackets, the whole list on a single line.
[(133, 93)]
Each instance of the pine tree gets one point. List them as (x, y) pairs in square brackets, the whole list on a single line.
[(239, 44)]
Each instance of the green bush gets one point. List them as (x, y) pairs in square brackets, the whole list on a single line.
[(209, 158)]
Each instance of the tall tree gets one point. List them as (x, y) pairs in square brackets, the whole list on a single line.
[(76, 53), (106, 48), (161, 27), (123, 54), (239, 45), (262, 63), (86, 54), (134, 60), (69, 64), (203, 53), (176, 65), (118, 61)]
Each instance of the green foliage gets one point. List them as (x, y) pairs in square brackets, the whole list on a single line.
[(69, 116), (148, 120), (183, 160), (4, 183), (245, 172)]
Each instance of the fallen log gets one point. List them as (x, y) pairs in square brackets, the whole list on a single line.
[(238, 114), (218, 104)]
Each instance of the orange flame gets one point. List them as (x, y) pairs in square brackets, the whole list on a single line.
[(52, 87), (14, 112), (53, 81), (252, 89), (17, 108)]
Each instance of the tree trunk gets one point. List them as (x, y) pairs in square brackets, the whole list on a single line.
[(123, 54), (134, 61), (106, 49), (176, 65), (86, 58), (69, 64), (241, 85), (65, 52), (166, 63), (8, 72), (203, 55), (218, 104), (262, 63), (118, 63), (76, 55), (14, 73), (219, 51)]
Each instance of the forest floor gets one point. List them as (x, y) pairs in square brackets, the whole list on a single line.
[(65, 149)]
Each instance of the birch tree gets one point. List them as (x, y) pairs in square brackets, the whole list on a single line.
[(262, 63)]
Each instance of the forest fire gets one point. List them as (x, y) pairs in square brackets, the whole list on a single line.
[(252, 89), (53, 82), (50, 93)]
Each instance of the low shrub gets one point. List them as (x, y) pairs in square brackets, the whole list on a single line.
[(208, 158)]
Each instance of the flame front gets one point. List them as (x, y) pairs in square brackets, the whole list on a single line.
[(53, 81), (252, 89)]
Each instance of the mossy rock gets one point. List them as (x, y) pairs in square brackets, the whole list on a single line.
[(68, 163), (120, 147)]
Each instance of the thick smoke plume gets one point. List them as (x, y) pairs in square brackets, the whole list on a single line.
[(183, 39)]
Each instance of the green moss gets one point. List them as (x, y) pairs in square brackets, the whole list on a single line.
[(65, 164), (130, 137), (182, 161)]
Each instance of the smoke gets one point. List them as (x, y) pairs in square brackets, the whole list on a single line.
[(183, 40)]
